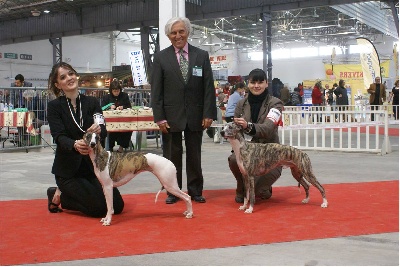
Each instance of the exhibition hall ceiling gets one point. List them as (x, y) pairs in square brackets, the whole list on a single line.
[(334, 25)]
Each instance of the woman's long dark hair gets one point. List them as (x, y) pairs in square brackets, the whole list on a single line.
[(54, 75)]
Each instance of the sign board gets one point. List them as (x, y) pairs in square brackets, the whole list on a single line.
[(11, 55), (25, 57), (138, 68)]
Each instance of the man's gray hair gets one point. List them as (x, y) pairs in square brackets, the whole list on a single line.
[(174, 20)]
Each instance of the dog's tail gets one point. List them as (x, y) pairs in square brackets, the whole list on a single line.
[(159, 191)]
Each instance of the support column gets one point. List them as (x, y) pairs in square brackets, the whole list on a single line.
[(113, 46), (168, 9), (267, 47), (57, 49)]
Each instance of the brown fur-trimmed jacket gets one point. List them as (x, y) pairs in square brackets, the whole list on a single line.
[(266, 130)]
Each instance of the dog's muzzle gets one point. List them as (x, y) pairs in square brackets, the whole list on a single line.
[(92, 144)]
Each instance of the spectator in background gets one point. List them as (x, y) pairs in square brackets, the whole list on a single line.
[(395, 103), (295, 97), (222, 98), (342, 99), (120, 101), (285, 96), (300, 91), (17, 100), (19, 81), (331, 97), (324, 94), (236, 95), (316, 96), (226, 89), (377, 96)]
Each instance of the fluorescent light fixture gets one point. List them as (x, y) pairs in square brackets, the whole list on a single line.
[(310, 28)]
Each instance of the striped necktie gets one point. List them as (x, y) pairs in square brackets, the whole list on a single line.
[(184, 65)]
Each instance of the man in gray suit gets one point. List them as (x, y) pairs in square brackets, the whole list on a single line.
[(183, 99)]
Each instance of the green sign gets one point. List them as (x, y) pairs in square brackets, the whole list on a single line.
[(11, 55)]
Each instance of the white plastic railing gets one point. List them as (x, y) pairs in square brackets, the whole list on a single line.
[(338, 128)]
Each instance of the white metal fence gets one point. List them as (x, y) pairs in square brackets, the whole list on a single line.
[(337, 128)]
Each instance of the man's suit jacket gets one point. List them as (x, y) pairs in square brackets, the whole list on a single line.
[(382, 93), (64, 131), (179, 103)]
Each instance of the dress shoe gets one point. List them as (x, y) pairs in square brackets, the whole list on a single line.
[(171, 199), (199, 199)]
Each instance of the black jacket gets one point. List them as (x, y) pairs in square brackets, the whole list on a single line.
[(64, 131)]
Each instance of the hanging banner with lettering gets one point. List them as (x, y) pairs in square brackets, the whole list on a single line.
[(138, 68), (369, 61), (219, 62)]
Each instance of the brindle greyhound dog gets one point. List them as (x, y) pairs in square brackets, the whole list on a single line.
[(256, 159), (115, 169)]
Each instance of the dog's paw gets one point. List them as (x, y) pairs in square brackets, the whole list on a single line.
[(106, 221), (249, 210), (188, 215), (324, 204), (305, 201), (242, 207)]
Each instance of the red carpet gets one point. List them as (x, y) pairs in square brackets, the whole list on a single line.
[(372, 130), (30, 234)]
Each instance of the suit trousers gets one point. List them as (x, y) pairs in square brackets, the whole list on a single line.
[(84, 193), (262, 184), (173, 150)]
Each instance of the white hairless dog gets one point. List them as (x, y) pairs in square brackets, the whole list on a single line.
[(115, 169)]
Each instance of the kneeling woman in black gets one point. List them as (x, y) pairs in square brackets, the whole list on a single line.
[(70, 115)]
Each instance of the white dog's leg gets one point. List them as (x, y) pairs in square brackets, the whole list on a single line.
[(165, 171), (107, 184)]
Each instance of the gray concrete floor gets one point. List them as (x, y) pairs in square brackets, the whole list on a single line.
[(27, 176)]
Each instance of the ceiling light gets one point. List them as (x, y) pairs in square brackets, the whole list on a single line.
[(46, 11), (35, 13)]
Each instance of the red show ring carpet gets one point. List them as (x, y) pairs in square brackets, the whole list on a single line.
[(30, 234)]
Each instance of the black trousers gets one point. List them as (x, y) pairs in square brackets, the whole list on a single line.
[(84, 193), (121, 138), (173, 150), (261, 183)]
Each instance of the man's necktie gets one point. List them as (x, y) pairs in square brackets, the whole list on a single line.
[(184, 65)]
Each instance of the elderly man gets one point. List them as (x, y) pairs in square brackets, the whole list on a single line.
[(377, 96), (183, 99)]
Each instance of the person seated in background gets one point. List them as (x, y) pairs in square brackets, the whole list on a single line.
[(19, 81), (120, 101), (235, 96)]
